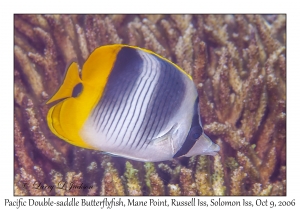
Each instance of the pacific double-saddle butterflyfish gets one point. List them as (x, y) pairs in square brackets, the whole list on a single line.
[(130, 102)]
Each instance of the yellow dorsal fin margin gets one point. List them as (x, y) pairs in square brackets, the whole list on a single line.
[(151, 52)]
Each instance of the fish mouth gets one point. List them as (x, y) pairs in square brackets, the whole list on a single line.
[(203, 146), (212, 150)]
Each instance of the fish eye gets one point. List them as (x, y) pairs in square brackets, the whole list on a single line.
[(77, 90), (196, 135), (195, 132)]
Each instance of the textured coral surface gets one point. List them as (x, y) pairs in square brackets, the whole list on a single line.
[(238, 63)]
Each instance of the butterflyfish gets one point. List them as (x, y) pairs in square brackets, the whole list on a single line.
[(130, 102)]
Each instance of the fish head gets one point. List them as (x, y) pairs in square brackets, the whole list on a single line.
[(203, 146)]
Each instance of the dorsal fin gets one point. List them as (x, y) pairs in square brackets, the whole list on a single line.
[(70, 81)]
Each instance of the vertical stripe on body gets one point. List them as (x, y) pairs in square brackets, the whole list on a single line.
[(142, 94), (116, 95)]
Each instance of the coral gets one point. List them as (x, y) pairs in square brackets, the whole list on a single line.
[(152, 180), (202, 176), (238, 63), (187, 182), (237, 181), (218, 177), (111, 183), (133, 183)]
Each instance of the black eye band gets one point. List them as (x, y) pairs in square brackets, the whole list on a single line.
[(194, 133), (77, 90)]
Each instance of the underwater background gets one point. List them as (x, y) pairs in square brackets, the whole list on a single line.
[(238, 63)]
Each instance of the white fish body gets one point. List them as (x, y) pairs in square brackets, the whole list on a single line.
[(148, 110)]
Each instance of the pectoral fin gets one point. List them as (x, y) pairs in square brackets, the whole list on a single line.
[(165, 137)]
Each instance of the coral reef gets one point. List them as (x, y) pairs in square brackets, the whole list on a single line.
[(238, 63)]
